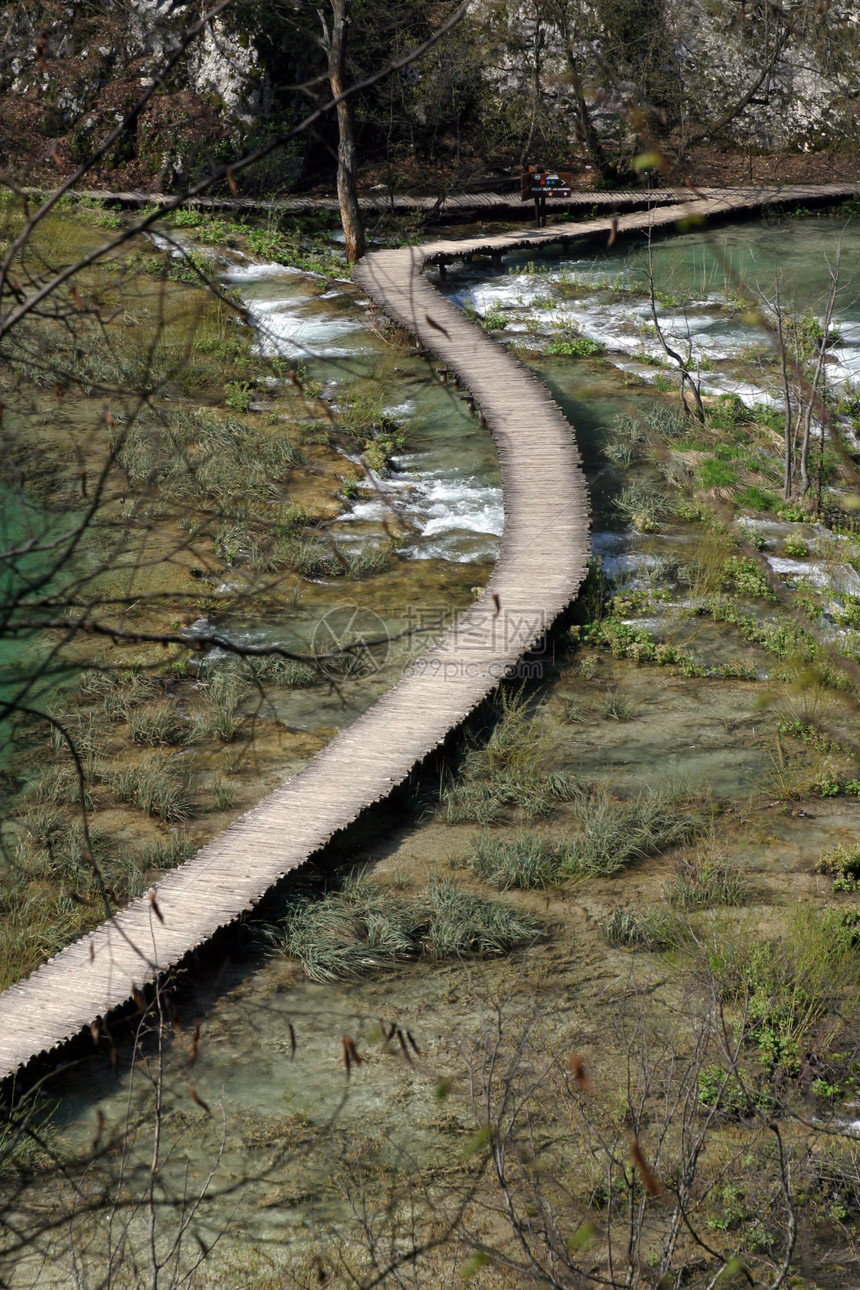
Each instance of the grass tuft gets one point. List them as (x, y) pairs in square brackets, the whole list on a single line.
[(613, 834), (363, 927), (527, 862)]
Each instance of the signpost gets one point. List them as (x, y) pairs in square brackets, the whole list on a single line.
[(537, 185)]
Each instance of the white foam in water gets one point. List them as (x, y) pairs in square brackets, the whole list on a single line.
[(625, 329), (258, 272), (447, 512), (284, 329), (454, 516)]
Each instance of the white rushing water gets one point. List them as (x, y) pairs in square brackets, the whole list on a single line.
[(608, 304), (444, 499)]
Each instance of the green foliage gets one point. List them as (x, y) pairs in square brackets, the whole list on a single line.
[(494, 322), (186, 217), (714, 473), (626, 641), (747, 578), (753, 498), (238, 395), (577, 347), (788, 994), (841, 861), (727, 412), (796, 546)]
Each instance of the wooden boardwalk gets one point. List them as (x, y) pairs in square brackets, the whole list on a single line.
[(470, 205), (541, 564)]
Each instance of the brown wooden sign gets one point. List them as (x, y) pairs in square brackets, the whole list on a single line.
[(545, 183)]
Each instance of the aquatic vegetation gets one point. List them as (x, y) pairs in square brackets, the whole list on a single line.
[(576, 347), (513, 770), (165, 852), (219, 715), (653, 929), (363, 927), (617, 706), (156, 786), (525, 861), (625, 438), (156, 723), (745, 576), (612, 834), (643, 505), (637, 643), (705, 879)]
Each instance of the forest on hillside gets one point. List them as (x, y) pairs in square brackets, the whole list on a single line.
[(589, 83)]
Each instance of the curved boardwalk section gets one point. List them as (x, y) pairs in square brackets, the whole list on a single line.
[(541, 564), (540, 567)]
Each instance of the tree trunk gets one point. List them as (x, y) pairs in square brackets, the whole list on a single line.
[(589, 136), (350, 212)]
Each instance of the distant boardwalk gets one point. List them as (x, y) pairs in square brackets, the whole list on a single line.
[(541, 564), (469, 205)]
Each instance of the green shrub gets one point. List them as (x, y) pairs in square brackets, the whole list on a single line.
[(728, 411), (238, 395), (841, 861), (790, 992), (578, 347)]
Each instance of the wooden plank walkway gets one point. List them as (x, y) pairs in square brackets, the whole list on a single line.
[(540, 567), (470, 204)]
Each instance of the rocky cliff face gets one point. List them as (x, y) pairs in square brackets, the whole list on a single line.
[(810, 92), (71, 72), (70, 76)]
